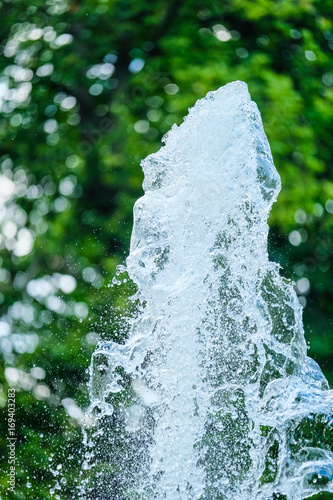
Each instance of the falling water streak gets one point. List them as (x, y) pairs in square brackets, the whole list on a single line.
[(213, 393)]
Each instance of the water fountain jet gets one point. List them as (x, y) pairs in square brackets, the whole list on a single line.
[(212, 393)]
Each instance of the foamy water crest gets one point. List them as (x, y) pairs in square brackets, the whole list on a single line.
[(212, 396)]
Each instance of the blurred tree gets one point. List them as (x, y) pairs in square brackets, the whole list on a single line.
[(86, 91)]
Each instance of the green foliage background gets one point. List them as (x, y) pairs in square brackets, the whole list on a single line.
[(87, 89)]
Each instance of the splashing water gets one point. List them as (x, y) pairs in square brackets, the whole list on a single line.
[(212, 396)]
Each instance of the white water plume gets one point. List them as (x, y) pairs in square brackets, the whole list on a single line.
[(212, 396)]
